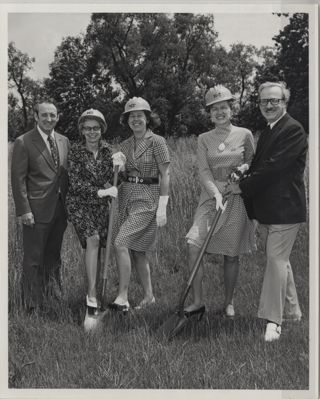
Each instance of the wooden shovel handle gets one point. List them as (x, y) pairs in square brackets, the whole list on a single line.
[(110, 227)]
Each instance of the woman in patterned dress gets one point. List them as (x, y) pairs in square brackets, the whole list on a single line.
[(143, 198), (220, 151), (90, 169)]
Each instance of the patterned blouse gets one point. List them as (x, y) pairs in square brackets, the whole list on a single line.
[(88, 212)]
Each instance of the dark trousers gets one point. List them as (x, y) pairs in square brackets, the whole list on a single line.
[(42, 257)]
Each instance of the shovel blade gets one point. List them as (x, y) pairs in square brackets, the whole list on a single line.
[(172, 327), (93, 323)]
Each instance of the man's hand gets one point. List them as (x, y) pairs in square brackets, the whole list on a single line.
[(28, 219)]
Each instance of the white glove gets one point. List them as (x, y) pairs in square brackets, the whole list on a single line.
[(118, 158), (111, 192), (219, 201), (161, 216)]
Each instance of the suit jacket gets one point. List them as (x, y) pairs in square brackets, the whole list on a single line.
[(36, 182), (274, 192)]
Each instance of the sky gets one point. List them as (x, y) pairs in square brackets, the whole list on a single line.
[(39, 34)]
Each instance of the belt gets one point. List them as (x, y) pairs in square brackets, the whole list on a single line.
[(142, 180), (221, 173)]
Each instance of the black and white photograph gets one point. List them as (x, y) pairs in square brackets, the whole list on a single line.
[(160, 165)]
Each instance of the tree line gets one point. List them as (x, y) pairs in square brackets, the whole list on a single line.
[(170, 60)]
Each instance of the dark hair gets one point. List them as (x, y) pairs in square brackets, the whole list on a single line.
[(44, 100), (152, 119)]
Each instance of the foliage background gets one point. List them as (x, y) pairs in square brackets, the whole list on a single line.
[(169, 59)]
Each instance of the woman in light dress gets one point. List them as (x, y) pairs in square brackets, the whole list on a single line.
[(220, 151)]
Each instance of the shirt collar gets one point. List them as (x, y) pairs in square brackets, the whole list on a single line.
[(45, 135), (273, 123)]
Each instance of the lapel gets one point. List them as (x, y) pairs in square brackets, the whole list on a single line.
[(268, 137), (128, 148), (42, 148), (144, 144)]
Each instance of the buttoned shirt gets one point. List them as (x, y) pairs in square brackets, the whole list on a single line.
[(273, 123), (45, 137)]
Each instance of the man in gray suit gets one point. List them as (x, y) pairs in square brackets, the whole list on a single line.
[(39, 187)]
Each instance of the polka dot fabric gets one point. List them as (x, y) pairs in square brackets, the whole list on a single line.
[(234, 234)]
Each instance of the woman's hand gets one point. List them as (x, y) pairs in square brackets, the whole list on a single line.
[(119, 159), (219, 201), (161, 216), (111, 192)]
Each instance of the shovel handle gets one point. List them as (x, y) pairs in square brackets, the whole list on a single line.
[(200, 256), (110, 226)]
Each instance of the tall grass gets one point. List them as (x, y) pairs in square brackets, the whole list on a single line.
[(52, 350)]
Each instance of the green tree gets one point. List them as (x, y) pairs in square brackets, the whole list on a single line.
[(158, 56), (293, 63), (288, 61), (21, 85), (75, 86)]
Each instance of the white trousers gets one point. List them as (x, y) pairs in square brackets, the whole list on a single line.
[(278, 287)]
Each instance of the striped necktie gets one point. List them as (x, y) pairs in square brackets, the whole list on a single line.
[(54, 151)]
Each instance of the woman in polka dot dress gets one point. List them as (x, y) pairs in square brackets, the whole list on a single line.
[(143, 198), (90, 170), (220, 151)]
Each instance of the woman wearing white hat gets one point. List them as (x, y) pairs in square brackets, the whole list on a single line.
[(143, 198), (220, 151), (90, 169)]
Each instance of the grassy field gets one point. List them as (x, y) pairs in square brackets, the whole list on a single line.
[(52, 350)]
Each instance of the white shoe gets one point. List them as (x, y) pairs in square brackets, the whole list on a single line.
[(143, 304), (273, 332), (92, 302), (229, 310)]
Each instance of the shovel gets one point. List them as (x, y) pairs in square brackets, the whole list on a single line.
[(174, 325), (92, 322), (109, 238)]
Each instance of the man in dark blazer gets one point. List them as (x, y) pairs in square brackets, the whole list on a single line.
[(274, 194), (39, 186)]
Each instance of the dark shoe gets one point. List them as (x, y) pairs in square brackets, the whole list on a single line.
[(200, 312), (119, 308)]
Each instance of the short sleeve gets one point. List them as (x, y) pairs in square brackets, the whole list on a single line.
[(161, 150)]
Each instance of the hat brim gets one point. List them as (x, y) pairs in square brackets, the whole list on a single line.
[(232, 98), (136, 109)]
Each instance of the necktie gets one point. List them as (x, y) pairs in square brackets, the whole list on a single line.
[(54, 151)]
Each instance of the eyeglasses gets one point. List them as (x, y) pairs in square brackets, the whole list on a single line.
[(272, 101), (88, 129)]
